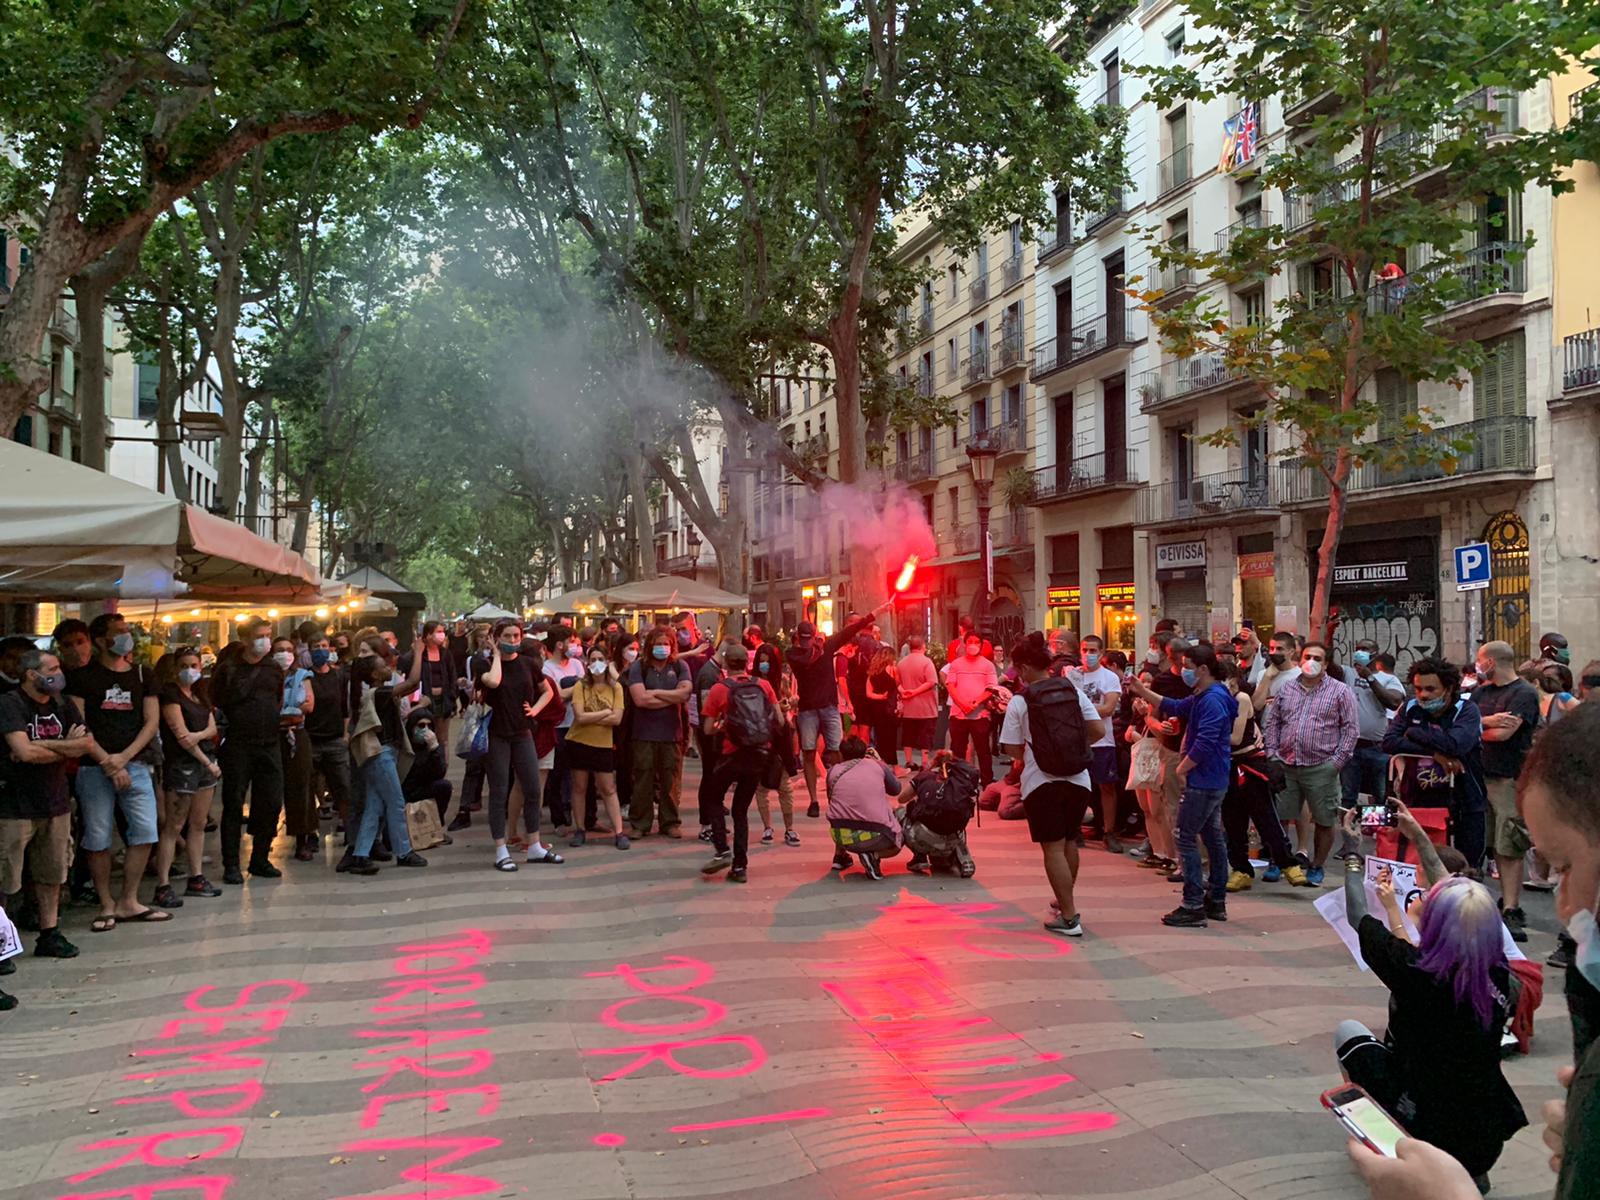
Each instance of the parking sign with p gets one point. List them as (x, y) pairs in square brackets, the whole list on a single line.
[(1473, 571)]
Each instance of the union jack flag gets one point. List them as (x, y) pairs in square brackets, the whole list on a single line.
[(1241, 137)]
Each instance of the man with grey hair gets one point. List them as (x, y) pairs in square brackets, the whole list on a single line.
[(1510, 708)]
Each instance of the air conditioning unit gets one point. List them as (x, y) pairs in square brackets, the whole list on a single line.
[(1198, 496)]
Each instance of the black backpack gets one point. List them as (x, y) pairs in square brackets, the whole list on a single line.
[(749, 718), (1055, 728), (945, 803)]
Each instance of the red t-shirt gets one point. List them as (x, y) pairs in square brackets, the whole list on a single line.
[(717, 702)]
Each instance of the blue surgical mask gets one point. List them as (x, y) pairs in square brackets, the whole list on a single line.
[(1436, 705), (1582, 929), (659, 652), (122, 644), (319, 658), (764, 667), (1091, 660), (189, 676), (1361, 658), (1190, 675), (507, 649)]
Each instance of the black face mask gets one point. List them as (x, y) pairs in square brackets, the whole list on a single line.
[(1279, 659)]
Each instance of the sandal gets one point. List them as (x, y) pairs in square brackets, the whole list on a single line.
[(550, 856), (153, 916), (103, 924), (505, 864)]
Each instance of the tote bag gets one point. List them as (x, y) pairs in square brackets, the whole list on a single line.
[(1144, 771)]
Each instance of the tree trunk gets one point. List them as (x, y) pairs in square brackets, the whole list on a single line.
[(644, 559), (1328, 551), (24, 373), (90, 287)]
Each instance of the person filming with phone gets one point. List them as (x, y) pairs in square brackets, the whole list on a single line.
[(1437, 1068)]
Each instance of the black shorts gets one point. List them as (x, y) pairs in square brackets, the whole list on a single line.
[(916, 733), (581, 757), (1055, 811)]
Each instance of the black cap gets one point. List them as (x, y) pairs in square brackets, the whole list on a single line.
[(805, 629)]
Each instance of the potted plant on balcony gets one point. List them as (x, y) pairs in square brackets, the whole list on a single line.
[(1018, 487)]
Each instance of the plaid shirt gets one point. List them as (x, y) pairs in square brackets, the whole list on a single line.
[(1306, 727)]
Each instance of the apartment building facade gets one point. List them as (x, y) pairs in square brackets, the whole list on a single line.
[(1139, 518), (964, 339)]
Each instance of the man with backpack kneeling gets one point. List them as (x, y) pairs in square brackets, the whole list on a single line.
[(743, 711), (1051, 725), (943, 799)]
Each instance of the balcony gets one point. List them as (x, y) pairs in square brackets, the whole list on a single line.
[(975, 368), (1111, 98), (63, 321), (925, 324), (1114, 208), (1499, 446), (1008, 352), (1226, 236), (978, 291), (1091, 474), (1007, 531), (1088, 337), (1004, 437), (1011, 272), (664, 525), (1582, 101), (1180, 378), (683, 564), (1063, 240), (1581, 375), (916, 468), (1207, 499), (1492, 277), (1176, 283), (1175, 170)]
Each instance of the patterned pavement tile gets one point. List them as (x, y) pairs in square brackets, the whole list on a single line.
[(622, 1029)]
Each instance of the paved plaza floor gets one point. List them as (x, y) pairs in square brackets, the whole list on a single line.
[(620, 1027)]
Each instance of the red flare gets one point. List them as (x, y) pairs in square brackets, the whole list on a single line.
[(907, 572)]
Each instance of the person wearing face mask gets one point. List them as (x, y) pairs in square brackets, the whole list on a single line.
[(1378, 694), (439, 677), (1249, 799), (769, 666), (1440, 734), (1311, 728), (516, 690), (190, 772), (1509, 707), (919, 702), (1283, 658), (425, 782), (1251, 662), (624, 653), (597, 702), (381, 751), (1553, 648), (1103, 688), (659, 686), (248, 689), (964, 627), (707, 745), (299, 803), (43, 733), (564, 668), (122, 712), (326, 724), (971, 680)]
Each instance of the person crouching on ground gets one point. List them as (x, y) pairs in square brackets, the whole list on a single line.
[(1054, 803), (862, 790)]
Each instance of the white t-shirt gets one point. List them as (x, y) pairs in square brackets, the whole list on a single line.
[(1096, 685), (1014, 732)]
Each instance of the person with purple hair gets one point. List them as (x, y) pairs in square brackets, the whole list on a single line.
[(1437, 1069)]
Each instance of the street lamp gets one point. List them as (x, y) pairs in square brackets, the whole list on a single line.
[(694, 552), (981, 453)]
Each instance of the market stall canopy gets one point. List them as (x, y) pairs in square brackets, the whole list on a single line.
[(69, 532), (370, 579), (672, 591), (576, 601), (491, 612)]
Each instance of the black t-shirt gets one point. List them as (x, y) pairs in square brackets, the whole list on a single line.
[(1449, 1060), (1170, 686), (113, 702), (34, 790), (196, 716), (1503, 760), (251, 698), (330, 696), (706, 678), (521, 681)]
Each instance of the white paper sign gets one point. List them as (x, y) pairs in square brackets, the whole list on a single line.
[(10, 942), (1331, 905)]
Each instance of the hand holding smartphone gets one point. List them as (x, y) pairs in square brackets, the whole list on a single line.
[(1363, 1118)]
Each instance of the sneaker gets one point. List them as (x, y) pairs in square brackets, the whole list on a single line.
[(8, 1001), (1314, 877), (232, 875), (919, 865), (791, 838), (1140, 852), (841, 860), (1066, 927), (1517, 923), (719, 862), (52, 945), (1296, 876), (1238, 881), (165, 897), (343, 865), (199, 885), (738, 875), (362, 866), (1273, 873), (462, 820), (265, 870), (621, 841), (1115, 845), (381, 854), (766, 834), (1561, 956), (578, 839), (815, 810), (869, 864), (1216, 910), (412, 859), (705, 833), (1185, 918)]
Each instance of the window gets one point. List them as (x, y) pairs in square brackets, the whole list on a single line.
[(979, 339), (1181, 446), (808, 431), (980, 269), (1012, 404), (1500, 384), (149, 404), (1015, 240), (980, 415), (1255, 306), (955, 362), (1397, 399), (927, 507), (1174, 42), (1178, 231), (955, 281)]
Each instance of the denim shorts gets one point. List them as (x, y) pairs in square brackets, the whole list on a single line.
[(98, 800), (811, 721)]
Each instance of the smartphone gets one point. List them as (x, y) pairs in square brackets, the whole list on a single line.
[(1364, 1118), (1374, 816)]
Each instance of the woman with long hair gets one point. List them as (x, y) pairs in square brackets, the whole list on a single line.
[(190, 772), (1157, 822), (597, 706), (769, 665), (883, 690), (438, 677), (1437, 1069)]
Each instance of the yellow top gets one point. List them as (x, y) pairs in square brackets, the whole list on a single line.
[(588, 696)]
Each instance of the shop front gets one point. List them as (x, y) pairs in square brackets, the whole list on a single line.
[(817, 601), (1258, 571), (1386, 589), (1115, 617), (1062, 605), (1181, 584)]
